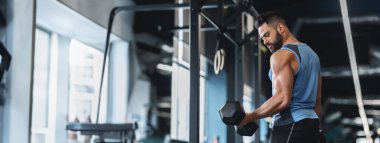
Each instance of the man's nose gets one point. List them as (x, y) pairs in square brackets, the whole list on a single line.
[(265, 41)]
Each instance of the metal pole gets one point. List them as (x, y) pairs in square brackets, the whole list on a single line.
[(238, 68), (257, 85), (186, 29), (231, 82), (163, 7), (354, 69), (194, 71), (109, 29)]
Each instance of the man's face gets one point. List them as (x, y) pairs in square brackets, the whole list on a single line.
[(271, 37)]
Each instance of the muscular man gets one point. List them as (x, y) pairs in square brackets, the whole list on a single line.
[(296, 84)]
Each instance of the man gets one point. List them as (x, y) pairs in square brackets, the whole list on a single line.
[(296, 84)]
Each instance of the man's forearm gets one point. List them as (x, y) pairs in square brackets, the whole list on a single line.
[(274, 105)]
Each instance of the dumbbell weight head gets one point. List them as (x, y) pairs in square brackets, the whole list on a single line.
[(232, 113)]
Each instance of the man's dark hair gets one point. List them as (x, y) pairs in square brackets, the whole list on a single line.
[(270, 17)]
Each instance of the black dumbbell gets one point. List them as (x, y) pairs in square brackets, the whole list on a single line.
[(232, 113)]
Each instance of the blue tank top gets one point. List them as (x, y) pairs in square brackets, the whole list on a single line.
[(305, 86)]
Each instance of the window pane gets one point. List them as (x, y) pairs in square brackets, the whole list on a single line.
[(85, 71), (38, 138)]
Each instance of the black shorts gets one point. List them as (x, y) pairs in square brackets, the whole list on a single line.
[(304, 131)]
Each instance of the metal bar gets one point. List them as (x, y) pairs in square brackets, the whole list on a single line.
[(210, 5), (257, 84), (194, 71), (354, 68), (3, 21), (238, 68), (238, 62), (187, 29), (231, 134), (219, 28), (109, 29), (220, 8), (352, 101), (230, 68), (165, 7)]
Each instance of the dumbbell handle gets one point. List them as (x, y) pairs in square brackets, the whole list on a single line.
[(248, 129)]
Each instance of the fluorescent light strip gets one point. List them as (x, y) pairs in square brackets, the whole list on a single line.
[(164, 67), (354, 68), (167, 48), (180, 33)]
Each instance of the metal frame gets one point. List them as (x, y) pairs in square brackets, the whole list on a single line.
[(196, 8), (202, 28), (223, 30), (124, 132), (235, 84), (219, 28), (156, 7), (187, 29), (162, 7)]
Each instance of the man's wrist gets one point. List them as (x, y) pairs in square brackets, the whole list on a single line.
[(252, 116)]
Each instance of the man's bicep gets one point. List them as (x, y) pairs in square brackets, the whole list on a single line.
[(283, 76), (284, 79)]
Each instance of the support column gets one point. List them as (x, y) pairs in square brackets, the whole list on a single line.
[(238, 69), (118, 82), (59, 88), (19, 39), (194, 71), (257, 86), (231, 86)]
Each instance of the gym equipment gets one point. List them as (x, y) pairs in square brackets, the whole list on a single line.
[(123, 132), (232, 113), (222, 56), (219, 61), (219, 56)]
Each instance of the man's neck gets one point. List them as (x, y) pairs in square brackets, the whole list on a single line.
[(290, 39)]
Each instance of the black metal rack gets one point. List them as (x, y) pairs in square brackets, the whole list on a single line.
[(3, 22), (123, 132), (196, 9)]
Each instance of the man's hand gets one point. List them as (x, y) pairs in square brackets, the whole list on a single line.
[(249, 117)]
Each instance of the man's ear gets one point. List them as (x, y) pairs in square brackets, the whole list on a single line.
[(280, 28)]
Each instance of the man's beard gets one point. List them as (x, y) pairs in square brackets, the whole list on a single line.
[(277, 43)]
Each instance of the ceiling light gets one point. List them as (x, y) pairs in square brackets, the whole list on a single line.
[(164, 67), (167, 48)]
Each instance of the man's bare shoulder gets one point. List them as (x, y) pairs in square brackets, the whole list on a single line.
[(281, 57)]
